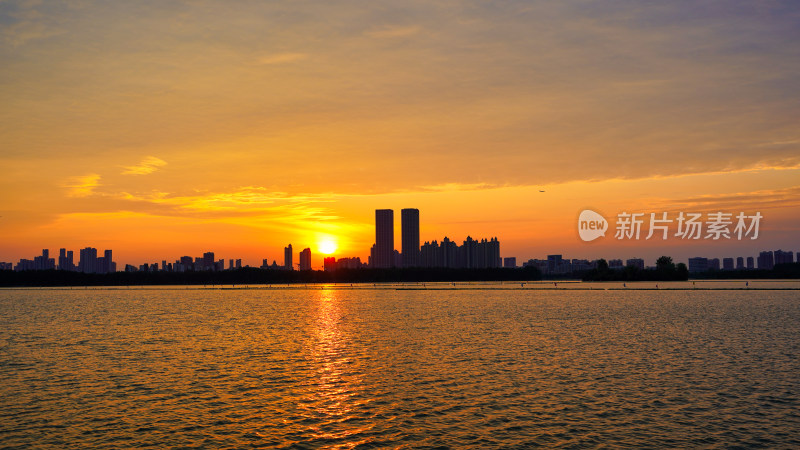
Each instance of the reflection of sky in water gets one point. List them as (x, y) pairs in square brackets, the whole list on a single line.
[(326, 368)]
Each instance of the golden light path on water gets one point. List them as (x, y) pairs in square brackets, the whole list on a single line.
[(338, 389), (379, 366)]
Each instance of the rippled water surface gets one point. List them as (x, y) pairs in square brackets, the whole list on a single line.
[(480, 368)]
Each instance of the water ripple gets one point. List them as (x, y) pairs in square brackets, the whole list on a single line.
[(400, 369)]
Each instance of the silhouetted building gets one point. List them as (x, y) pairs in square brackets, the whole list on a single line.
[(409, 222), (540, 264), (782, 257), (88, 261), (713, 264), (698, 264), (65, 260), (765, 261), (287, 257), (305, 259), (739, 263), (110, 265), (450, 253), (510, 262), (349, 263), (635, 262), (727, 263), (329, 263), (750, 263), (208, 261), (581, 265), (384, 238), (615, 264), (553, 261), (489, 251), (42, 262)]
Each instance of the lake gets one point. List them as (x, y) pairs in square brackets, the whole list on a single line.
[(499, 365)]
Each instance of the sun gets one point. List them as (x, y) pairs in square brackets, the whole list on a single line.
[(327, 247)]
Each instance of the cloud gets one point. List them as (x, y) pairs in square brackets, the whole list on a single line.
[(148, 165), (281, 58), (244, 201), (82, 186), (452, 187), (393, 31), (741, 201)]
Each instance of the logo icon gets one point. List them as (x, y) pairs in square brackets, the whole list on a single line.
[(591, 225)]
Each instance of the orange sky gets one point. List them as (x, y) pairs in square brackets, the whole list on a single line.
[(172, 129)]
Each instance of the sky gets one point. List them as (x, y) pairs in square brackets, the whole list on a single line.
[(168, 128)]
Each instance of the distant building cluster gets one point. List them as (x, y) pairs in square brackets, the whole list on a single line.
[(558, 265), (766, 261), (207, 262), (331, 263), (89, 262), (472, 254)]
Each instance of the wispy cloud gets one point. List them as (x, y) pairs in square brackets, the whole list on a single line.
[(281, 58), (247, 200), (148, 165), (82, 186), (750, 201), (393, 31), (447, 187)]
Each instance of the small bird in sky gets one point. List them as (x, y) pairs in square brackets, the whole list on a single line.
[(541, 190)]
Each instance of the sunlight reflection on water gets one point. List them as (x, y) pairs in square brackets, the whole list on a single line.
[(338, 368)]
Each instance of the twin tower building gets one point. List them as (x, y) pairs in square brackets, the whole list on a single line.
[(384, 255), (472, 254)]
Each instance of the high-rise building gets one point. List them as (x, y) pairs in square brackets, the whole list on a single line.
[(750, 263), (782, 257), (739, 263), (384, 238), (305, 259), (208, 261), (635, 262), (409, 223), (766, 261), (109, 263), (44, 262), (727, 263), (287, 258), (554, 263), (698, 264), (510, 262), (65, 260), (88, 262)]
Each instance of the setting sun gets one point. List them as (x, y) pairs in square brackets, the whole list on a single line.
[(327, 247)]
